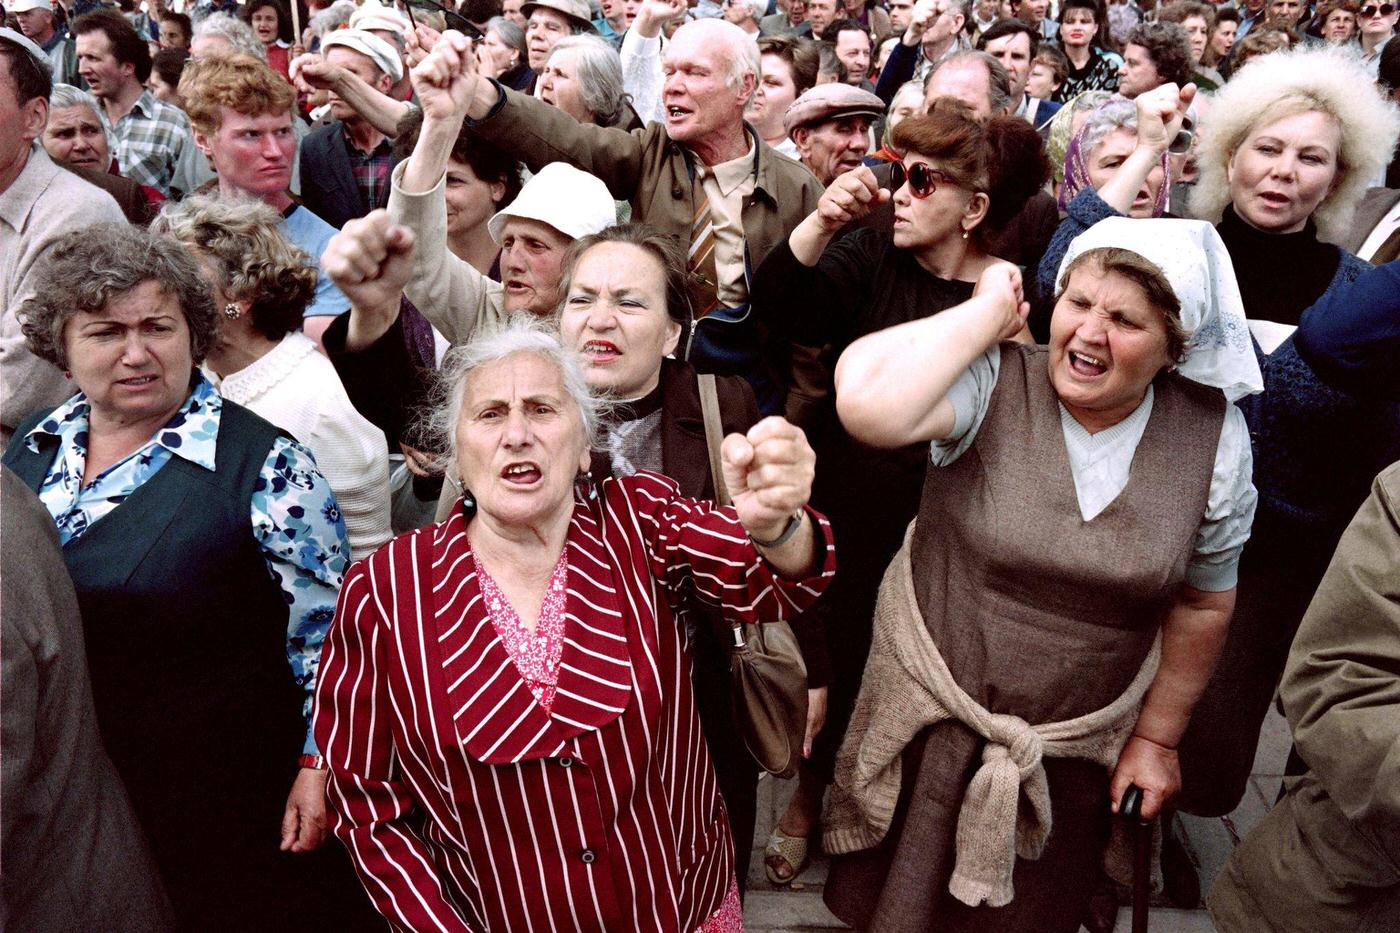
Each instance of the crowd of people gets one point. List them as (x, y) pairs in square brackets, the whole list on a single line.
[(451, 452)]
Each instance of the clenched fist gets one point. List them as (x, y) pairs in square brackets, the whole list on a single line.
[(370, 260), (769, 474)]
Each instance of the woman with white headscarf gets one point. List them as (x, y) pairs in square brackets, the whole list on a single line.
[(1066, 585)]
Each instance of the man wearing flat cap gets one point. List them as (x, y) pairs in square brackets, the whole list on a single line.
[(37, 21), (830, 126), (345, 164)]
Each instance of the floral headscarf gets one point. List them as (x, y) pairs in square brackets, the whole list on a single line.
[(1062, 126), (1076, 176)]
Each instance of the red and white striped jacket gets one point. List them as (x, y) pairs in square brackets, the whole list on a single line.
[(464, 804)]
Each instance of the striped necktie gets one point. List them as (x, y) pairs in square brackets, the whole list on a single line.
[(1389, 250), (700, 259)]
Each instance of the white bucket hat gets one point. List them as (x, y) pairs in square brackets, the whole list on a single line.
[(385, 56), (571, 201)]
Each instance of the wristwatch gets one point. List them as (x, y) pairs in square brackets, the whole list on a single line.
[(793, 524)]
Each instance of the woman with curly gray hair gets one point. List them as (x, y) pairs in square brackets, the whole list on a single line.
[(583, 78), (207, 552), (261, 359)]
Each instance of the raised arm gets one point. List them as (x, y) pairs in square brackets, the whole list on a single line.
[(1160, 113), (850, 197), (641, 57), (892, 385), (312, 72)]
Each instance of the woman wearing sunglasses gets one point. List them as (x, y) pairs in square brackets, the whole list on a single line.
[(1377, 21), (958, 183)]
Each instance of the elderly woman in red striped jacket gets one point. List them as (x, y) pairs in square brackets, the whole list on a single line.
[(505, 704)]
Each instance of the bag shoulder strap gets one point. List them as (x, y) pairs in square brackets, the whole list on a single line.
[(714, 434)]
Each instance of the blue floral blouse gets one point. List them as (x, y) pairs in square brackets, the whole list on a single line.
[(295, 519)]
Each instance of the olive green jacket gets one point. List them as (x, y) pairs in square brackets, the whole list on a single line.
[(1328, 856)]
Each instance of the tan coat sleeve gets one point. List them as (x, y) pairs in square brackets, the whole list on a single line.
[(1341, 689), (451, 294)]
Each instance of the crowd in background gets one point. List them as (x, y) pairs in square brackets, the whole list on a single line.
[(423, 423)]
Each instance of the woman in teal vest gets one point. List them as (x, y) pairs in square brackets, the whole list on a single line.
[(207, 552)]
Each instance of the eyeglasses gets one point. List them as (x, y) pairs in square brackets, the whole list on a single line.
[(1385, 9), (923, 178), (453, 19)]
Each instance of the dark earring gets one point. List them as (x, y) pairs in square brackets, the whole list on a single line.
[(232, 311)]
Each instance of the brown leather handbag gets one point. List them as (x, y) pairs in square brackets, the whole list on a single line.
[(768, 678)]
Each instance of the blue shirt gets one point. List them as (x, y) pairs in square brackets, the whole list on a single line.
[(294, 516), (311, 234)]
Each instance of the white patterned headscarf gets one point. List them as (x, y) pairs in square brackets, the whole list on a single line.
[(1190, 253)]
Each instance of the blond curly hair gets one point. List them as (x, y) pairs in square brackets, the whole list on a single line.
[(1285, 83)]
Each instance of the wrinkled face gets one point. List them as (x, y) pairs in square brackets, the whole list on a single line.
[(1107, 344), (531, 251), (471, 202), (1108, 156), (821, 14), (1077, 28), (1283, 170), (615, 315), (699, 99), (36, 25), (364, 68), (74, 136), (901, 11), (545, 29), (853, 49), (1198, 31), (921, 223), (1139, 72), (737, 12), (833, 148), (1042, 82), (560, 87), (1014, 53), (520, 441), (132, 359), (796, 12), (1375, 23), (494, 56), (264, 23), (251, 154), (1223, 39), (1284, 14), (946, 23), (775, 94), (907, 102), (163, 91), (106, 77), (966, 82), (1340, 26), (510, 9), (172, 36)]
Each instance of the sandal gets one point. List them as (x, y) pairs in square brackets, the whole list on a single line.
[(791, 849)]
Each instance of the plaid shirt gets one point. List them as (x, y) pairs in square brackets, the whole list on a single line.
[(155, 146), (371, 171)]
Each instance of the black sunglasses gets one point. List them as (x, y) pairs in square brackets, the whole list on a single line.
[(923, 178), (452, 18), (1385, 9)]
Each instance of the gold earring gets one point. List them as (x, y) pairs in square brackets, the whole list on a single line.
[(232, 311)]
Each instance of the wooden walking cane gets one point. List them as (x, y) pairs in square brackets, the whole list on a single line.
[(1130, 809)]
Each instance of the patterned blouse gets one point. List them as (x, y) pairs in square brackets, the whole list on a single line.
[(294, 519)]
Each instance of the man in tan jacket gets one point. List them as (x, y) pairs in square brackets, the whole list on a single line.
[(703, 176), (1327, 857)]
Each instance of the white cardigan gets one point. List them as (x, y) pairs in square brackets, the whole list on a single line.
[(297, 389)]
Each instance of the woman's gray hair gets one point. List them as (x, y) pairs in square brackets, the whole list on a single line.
[(86, 269), (1117, 114), (511, 34), (232, 30), (66, 95), (1329, 80), (598, 71), (336, 16), (522, 334)]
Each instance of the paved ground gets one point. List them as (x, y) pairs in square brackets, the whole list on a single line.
[(799, 909)]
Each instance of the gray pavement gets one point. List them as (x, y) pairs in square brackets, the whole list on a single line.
[(799, 908)]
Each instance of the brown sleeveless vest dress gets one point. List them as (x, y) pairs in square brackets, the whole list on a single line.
[(1039, 614)]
